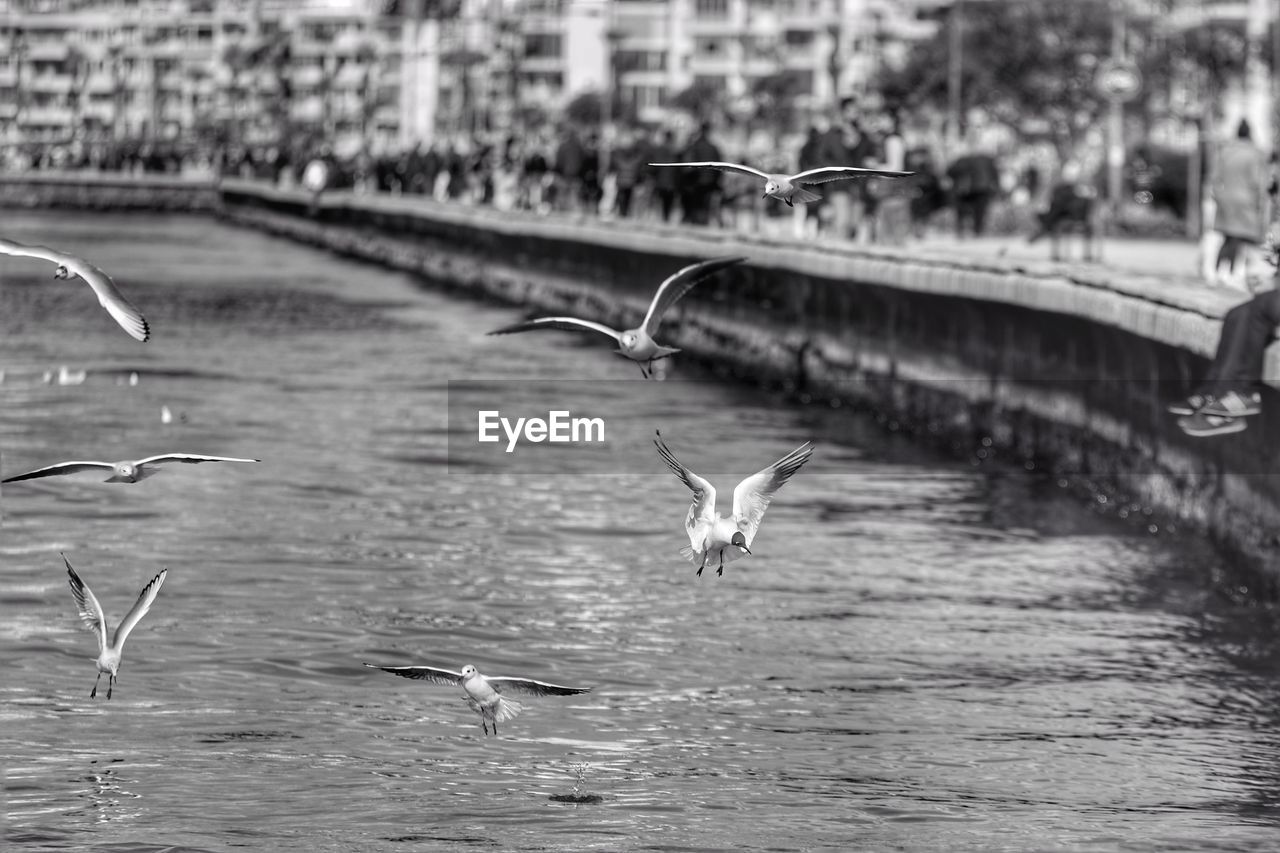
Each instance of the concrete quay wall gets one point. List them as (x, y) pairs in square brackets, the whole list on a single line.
[(1057, 368)]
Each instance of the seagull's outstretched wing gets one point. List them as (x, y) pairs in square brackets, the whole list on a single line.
[(87, 604), (422, 673), (670, 291), (129, 317), (140, 607), (719, 167), (703, 507), (751, 497), (504, 684), (571, 324), (826, 174), (188, 458), (59, 470)]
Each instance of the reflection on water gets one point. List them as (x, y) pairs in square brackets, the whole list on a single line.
[(921, 655)]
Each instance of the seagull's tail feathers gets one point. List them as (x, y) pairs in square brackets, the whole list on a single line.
[(804, 196), (507, 709), (691, 555)]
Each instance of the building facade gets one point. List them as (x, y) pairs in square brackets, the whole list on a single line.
[(392, 73)]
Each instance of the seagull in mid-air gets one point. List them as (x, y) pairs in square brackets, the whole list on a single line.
[(92, 616), (637, 344), (790, 188), (711, 534), (123, 472), (484, 692), (129, 318)]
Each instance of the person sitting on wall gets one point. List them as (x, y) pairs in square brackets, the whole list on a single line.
[(1230, 392)]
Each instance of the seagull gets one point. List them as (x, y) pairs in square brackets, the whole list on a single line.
[(109, 295), (637, 344), (123, 472), (92, 616), (484, 693), (711, 533), (789, 188)]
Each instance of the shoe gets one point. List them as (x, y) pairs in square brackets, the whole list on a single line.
[(1204, 425), (1235, 405), (1189, 406)]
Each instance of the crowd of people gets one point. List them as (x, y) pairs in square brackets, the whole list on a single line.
[(572, 170)]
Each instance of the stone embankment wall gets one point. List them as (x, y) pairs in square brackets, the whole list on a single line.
[(107, 191), (1062, 369)]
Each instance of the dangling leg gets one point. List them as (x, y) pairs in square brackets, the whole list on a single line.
[(111, 682), (94, 692), (704, 563), (642, 370), (495, 725), (720, 571)]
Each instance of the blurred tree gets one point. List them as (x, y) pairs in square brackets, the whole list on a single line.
[(774, 97), (585, 109), (1021, 60), (702, 100)]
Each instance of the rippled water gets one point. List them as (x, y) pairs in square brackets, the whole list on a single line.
[(922, 655)]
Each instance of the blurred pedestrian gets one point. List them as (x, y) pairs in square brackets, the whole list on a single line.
[(699, 188), (889, 207), (807, 218), (848, 143), (1238, 184), (974, 182), (627, 161), (663, 181), (568, 168)]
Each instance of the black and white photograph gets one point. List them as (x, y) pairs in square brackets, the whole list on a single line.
[(640, 425)]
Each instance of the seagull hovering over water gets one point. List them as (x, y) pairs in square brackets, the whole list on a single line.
[(790, 188), (637, 344), (129, 318), (92, 616), (484, 693), (730, 537), (123, 472)]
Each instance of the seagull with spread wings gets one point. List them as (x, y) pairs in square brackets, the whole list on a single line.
[(129, 318), (637, 344), (123, 472), (791, 188), (712, 534), (484, 692), (92, 616)]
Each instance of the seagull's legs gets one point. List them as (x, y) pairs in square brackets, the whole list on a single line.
[(720, 571), (111, 682), (643, 372), (94, 692), (705, 554)]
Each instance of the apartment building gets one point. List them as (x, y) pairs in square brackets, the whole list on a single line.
[(394, 72)]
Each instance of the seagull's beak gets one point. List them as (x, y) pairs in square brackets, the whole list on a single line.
[(766, 195), (745, 548)]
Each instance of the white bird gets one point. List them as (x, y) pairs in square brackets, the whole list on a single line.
[(729, 537), (484, 693), (92, 616), (637, 344), (123, 472), (129, 318), (790, 188)]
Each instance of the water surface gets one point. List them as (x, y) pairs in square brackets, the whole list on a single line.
[(923, 655)]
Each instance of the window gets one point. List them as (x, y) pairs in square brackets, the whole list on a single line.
[(542, 45), (641, 60), (708, 47), (712, 8)]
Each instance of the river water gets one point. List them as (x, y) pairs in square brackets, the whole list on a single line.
[(922, 655)]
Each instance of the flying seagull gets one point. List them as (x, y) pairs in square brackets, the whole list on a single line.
[(484, 693), (711, 533), (790, 188), (123, 472), (637, 344), (109, 295), (92, 616)]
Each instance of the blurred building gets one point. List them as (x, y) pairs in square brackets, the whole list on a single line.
[(384, 73)]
